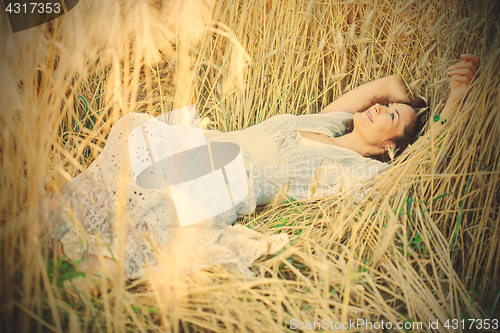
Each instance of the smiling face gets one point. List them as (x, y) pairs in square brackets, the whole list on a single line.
[(379, 126)]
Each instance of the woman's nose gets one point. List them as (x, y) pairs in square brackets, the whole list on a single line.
[(377, 108)]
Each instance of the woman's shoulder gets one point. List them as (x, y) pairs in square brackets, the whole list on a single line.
[(331, 116), (355, 161), (328, 117), (334, 115), (277, 120), (367, 167), (330, 123)]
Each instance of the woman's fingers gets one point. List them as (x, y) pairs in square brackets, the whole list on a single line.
[(462, 71), (465, 64), (461, 78), (471, 75), (462, 74), (471, 57)]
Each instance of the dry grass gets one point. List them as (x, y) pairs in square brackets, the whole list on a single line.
[(425, 248)]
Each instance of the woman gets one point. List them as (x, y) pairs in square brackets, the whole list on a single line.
[(307, 156)]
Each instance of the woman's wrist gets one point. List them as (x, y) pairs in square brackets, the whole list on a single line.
[(451, 104), (439, 119)]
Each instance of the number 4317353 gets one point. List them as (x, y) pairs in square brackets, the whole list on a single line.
[(33, 7), (469, 324)]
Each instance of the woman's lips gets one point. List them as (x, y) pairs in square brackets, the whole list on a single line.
[(369, 115)]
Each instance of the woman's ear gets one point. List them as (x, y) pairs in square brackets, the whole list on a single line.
[(391, 151)]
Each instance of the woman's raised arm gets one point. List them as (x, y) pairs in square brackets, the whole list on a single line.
[(462, 74), (390, 87)]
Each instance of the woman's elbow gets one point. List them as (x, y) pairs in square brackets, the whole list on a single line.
[(398, 88), (396, 80)]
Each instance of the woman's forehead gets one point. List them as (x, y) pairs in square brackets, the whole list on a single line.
[(404, 107), (405, 111)]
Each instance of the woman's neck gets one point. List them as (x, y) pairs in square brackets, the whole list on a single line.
[(350, 141)]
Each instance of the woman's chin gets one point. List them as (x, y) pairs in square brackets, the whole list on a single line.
[(357, 119)]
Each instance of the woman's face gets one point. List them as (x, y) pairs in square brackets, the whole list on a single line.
[(380, 125)]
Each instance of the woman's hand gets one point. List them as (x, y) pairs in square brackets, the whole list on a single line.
[(462, 74)]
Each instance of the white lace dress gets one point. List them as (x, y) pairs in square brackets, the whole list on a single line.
[(274, 153)]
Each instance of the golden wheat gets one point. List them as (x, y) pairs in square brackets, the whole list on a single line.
[(425, 247)]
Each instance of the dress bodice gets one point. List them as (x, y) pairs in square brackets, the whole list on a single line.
[(275, 153)]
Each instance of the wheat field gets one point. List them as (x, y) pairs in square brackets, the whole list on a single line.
[(423, 248)]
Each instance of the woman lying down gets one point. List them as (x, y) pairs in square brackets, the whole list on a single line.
[(149, 197)]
